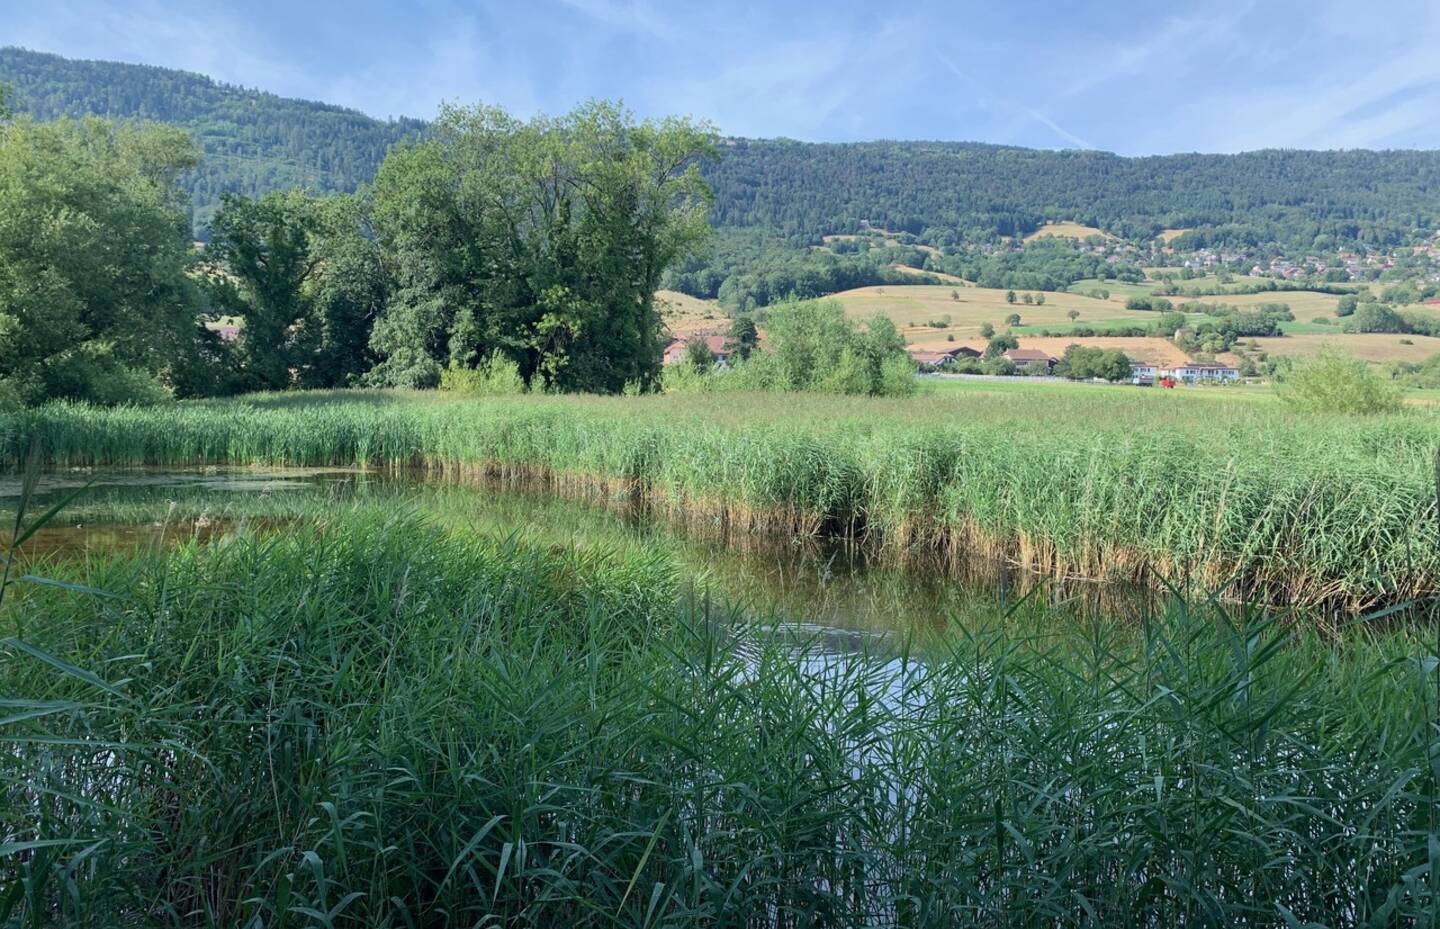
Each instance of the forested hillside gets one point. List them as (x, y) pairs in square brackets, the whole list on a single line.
[(791, 192), (252, 142), (944, 191)]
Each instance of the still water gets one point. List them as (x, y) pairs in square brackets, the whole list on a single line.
[(828, 584)]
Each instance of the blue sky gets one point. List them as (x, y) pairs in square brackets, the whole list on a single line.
[(1132, 77)]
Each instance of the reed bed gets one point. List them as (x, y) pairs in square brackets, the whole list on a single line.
[(378, 724), (1099, 484)]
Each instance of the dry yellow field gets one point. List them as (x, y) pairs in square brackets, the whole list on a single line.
[(1154, 351), (918, 304), (1067, 231), (1305, 304), (1170, 235), (1369, 346), (877, 238), (684, 314), (947, 278)]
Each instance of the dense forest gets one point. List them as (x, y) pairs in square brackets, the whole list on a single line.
[(944, 193), (251, 142)]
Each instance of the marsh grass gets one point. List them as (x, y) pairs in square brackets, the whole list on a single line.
[(375, 723), (1290, 509)]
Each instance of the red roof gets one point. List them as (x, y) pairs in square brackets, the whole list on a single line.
[(678, 346)]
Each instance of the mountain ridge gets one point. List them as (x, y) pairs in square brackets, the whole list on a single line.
[(795, 192)]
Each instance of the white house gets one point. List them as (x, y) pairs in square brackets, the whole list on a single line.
[(1142, 373), (1197, 371)]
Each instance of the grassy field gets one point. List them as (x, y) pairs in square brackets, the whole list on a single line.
[(1368, 346), (1072, 484), (916, 272), (911, 307), (1067, 230), (376, 723), (684, 314), (1120, 291)]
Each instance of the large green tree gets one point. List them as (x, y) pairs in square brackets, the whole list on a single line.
[(544, 240), (95, 301), (306, 280)]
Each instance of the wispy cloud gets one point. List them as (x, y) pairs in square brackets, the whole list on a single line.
[(1193, 75), (630, 15), (994, 101)]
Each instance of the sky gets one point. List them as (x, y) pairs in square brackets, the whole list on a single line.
[(1149, 77)]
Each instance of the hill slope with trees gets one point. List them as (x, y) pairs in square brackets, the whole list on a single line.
[(795, 192), (252, 142), (943, 192)]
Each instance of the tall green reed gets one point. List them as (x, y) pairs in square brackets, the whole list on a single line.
[(1305, 510), (376, 723)]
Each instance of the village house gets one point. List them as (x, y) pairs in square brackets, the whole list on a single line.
[(718, 344), (1197, 371), (942, 359), (1020, 357), (1142, 373)]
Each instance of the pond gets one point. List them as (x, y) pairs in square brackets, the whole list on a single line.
[(827, 583)]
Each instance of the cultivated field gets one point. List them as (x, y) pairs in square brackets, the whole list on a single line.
[(912, 307)]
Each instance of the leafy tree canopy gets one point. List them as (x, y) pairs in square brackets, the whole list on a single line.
[(94, 300), (544, 240)]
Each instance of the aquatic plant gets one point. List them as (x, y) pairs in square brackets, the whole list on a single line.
[(375, 723), (1289, 508)]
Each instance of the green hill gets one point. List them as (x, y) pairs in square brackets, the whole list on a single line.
[(942, 191), (253, 141), (788, 194)]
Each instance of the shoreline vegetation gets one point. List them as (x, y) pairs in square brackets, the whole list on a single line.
[(1286, 509), (378, 723)]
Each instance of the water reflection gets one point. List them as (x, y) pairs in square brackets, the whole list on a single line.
[(834, 584)]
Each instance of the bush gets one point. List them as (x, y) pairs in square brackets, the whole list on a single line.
[(814, 346), (500, 376), (1332, 382), (1374, 317)]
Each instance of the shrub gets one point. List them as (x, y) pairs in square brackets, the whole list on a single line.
[(1332, 382), (814, 346), (499, 376)]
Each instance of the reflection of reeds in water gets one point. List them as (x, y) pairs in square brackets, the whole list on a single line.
[(382, 723)]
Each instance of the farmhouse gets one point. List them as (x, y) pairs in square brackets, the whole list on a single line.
[(718, 345), (1029, 356), (942, 359)]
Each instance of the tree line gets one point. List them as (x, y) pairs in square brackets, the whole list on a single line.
[(541, 242)]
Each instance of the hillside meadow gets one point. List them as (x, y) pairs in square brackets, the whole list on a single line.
[(911, 307), (1068, 230)]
